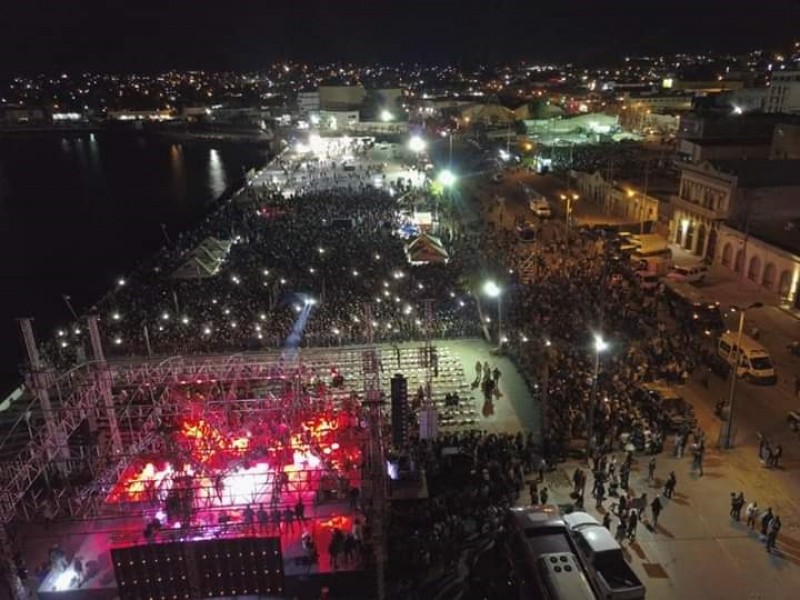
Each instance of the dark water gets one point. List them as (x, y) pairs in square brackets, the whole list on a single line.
[(77, 212)]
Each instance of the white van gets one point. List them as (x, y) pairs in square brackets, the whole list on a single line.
[(755, 363)]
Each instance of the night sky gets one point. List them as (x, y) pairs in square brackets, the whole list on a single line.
[(124, 35)]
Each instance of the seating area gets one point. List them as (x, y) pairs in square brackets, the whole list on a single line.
[(447, 379)]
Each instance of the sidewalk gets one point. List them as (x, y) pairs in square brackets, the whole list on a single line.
[(697, 551)]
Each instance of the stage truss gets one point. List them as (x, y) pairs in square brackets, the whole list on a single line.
[(80, 446), (149, 398), (99, 440)]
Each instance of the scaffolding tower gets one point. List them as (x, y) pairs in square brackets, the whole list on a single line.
[(378, 492)]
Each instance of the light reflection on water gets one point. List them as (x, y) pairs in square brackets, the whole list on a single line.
[(217, 179)]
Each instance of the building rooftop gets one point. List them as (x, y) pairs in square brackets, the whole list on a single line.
[(754, 173)]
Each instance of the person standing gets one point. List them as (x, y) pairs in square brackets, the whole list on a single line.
[(622, 530), (624, 476), (601, 493), (576, 479), (335, 547), (655, 508), (737, 503), (669, 486), (651, 468), (633, 522), (776, 455), (543, 495), (752, 514), (478, 370), (533, 489), (542, 468), (607, 520), (766, 517), (772, 532)]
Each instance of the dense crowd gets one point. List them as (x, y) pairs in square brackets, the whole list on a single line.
[(472, 477), (309, 252), (578, 289)]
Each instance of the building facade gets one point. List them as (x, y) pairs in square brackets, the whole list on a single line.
[(713, 192), (623, 200), (773, 269), (308, 102), (784, 92)]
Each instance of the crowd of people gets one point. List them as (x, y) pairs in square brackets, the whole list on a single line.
[(323, 237), (472, 477), (579, 289)]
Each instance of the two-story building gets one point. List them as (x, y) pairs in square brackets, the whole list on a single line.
[(730, 190)]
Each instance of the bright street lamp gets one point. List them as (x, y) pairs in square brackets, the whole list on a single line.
[(416, 144), (447, 178), (491, 289), (600, 346), (726, 440), (386, 116)]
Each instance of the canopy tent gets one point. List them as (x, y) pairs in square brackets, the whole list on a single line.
[(205, 260), (426, 249)]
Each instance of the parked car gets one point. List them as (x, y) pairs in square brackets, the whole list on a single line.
[(609, 572), (689, 274)]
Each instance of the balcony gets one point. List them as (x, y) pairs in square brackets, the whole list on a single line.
[(698, 209)]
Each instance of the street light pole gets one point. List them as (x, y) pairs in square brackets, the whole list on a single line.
[(727, 439), (499, 320), (491, 289), (450, 162), (599, 346)]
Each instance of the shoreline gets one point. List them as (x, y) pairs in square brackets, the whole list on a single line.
[(12, 390), (254, 136)]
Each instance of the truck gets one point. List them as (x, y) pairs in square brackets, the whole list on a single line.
[(543, 557), (610, 575)]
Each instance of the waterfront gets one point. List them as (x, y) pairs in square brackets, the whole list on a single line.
[(78, 211)]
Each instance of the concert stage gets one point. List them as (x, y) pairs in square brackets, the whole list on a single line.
[(196, 450), (271, 472)]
